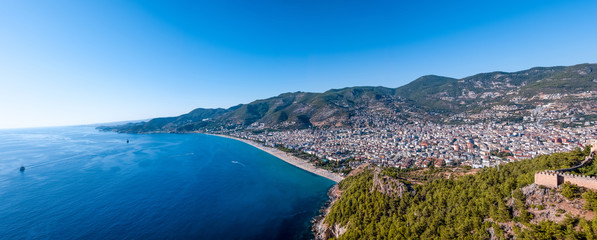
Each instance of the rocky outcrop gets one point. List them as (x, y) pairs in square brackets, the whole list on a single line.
[(386, 185), (381, 183), (324, 231), (546, 204), (321, 229)]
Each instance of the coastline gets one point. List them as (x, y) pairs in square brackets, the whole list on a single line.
[(295, 161)]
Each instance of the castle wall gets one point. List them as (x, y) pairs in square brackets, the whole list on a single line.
[(582, 181), (588, 160), (554, 178), (548, 179)]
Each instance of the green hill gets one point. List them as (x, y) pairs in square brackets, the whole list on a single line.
[(474, 206), (428, 98)]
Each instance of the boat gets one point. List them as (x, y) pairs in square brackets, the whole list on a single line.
[(22, 169)]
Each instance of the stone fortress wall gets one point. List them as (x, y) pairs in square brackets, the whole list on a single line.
[(553, 178)]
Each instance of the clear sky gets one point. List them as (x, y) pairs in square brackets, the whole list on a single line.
[(93, 61)]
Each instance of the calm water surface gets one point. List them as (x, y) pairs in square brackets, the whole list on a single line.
[(80, 183)]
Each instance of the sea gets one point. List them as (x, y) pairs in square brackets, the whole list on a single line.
[(81, 183)]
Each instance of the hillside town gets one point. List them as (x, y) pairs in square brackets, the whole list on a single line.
[(378, 138), (421, 145), (478, 140)]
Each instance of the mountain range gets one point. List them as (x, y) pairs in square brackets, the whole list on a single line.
[(428, 98)]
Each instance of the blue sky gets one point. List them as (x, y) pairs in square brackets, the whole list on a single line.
[(79, 62)]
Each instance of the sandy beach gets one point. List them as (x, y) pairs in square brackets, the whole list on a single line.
[(298, 162)]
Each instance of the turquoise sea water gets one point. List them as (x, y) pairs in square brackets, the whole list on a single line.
[(80, 183)]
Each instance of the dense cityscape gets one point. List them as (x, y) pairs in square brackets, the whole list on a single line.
[(421, 144)]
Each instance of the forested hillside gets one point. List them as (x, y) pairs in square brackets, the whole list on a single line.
[(488, 204)]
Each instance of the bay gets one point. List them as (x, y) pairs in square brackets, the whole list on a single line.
[(80, 183)]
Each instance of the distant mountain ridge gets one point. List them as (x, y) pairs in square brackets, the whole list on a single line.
[(429, 98)]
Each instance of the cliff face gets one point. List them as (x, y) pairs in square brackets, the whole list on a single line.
[(321, 229), (386, 185), (381, 183), (551, 202)]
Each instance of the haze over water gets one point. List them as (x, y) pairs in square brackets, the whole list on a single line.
[(83, 184)]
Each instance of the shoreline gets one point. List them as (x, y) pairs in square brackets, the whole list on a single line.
[(286, 157)]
